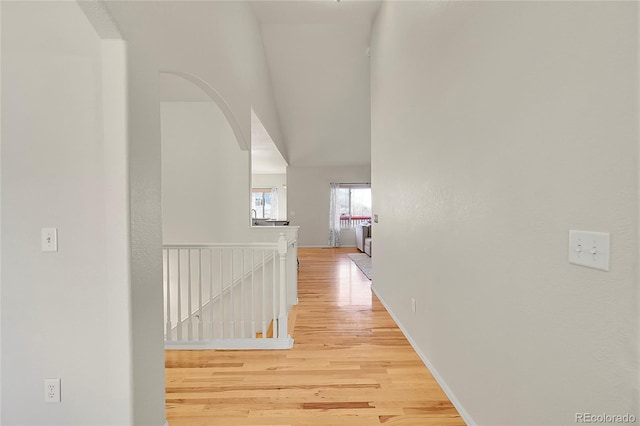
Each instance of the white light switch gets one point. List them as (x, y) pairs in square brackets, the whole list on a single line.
[(49, 239), (590, 249)]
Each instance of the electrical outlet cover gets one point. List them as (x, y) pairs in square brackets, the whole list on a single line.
[(52, 390)]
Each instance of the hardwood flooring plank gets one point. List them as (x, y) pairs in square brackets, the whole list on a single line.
[(350, 365)]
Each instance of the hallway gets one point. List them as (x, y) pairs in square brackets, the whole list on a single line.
[(350, 365)]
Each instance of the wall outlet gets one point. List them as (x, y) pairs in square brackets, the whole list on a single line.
[(413, 305), (52, 390)]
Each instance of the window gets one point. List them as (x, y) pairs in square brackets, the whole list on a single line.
[(355, 204), (261, 202)]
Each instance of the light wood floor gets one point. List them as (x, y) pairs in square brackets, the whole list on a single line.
[(350, 365)]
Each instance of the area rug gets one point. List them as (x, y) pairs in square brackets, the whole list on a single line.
[(363, 262)]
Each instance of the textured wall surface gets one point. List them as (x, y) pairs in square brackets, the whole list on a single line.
[(497, 127), (146, 236), (64, 314)]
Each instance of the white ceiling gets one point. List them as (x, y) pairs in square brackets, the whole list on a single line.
[(316, 51), (317, 56), (315, 11), (265, 157)]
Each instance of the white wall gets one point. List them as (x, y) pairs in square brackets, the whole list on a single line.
[(264, 105), (308, 200), (497, 127), (218, 42), (205, 180), (172, 36), (64, 314), (205, 185), (273, 181), (0, 220), (146, 235)]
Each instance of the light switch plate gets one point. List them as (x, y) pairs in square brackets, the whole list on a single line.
[(590, 249), (49, 239)]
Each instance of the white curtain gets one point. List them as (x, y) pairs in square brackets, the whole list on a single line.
[(274, 204), (334, 216)]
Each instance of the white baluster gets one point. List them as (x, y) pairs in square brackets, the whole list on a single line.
[(179, 298), (221, 297), (211, 334), (242, 274), (274, 296), (200, 294), (233, 304), (282, 318), (264, 296), (189, 301), (253, 296), (168, 277)]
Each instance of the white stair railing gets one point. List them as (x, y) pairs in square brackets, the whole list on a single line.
[(228, 296)]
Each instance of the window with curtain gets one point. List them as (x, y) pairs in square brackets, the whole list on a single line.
[(355, 204), (350, 204)]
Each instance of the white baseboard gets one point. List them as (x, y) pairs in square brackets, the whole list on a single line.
[(232, 344), (446, 389), (312, 246)]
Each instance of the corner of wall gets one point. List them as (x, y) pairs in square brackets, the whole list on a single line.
[(117, 205)]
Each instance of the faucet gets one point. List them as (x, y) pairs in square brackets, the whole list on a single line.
[(254, 215)]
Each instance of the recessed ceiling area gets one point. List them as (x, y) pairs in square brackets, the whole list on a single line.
[(317, 53)]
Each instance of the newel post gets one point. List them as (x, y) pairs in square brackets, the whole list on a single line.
[(282, 316)]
